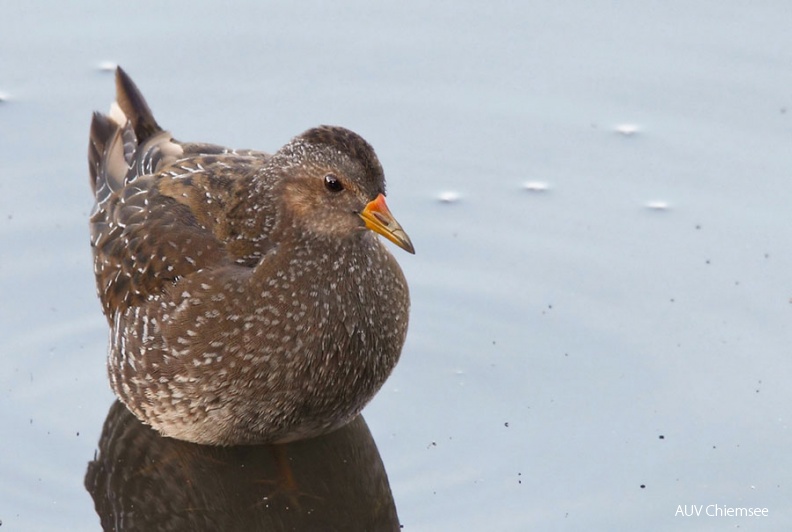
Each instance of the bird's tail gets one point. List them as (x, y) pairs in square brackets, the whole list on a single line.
[(126, 142), (134, 107)]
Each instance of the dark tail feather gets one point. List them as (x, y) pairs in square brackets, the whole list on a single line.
[(126, 143), (135, 107)]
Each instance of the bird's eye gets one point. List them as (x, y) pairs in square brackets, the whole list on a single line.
[(333, 184)]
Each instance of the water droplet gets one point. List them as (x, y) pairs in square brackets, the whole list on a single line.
[(4, 97), (449, 196), (536, 186), (627, 130), (657, 205), (106, 66)]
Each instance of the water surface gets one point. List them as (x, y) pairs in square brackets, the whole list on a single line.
[(589, 355)]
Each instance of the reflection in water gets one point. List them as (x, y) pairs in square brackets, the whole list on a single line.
[(142, 481)]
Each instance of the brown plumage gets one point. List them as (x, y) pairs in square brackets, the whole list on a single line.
[(248, 301)]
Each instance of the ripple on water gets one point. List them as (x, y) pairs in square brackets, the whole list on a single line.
[(448, 196), (536, 186), (627, 130), (657, 205), (106, 66)]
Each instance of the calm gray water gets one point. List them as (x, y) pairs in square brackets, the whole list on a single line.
[(601, 305)]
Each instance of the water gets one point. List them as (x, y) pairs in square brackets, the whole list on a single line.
[(588, 352)]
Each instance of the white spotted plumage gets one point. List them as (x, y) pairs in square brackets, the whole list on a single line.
[(245, 305)]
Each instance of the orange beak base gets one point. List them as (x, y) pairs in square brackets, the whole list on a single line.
[(379, 219)]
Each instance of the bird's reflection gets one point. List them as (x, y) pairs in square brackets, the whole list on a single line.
[(142, 481)]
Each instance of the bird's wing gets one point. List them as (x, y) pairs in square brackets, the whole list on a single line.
[(162, 207)]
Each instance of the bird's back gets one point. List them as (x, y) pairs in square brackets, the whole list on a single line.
[(164, 208)]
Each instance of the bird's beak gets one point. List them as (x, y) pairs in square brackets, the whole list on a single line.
[(379, 219)]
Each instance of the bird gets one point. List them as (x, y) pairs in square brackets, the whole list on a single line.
[(249, 296)]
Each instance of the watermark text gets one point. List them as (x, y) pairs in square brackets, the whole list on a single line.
[(718, 510)]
